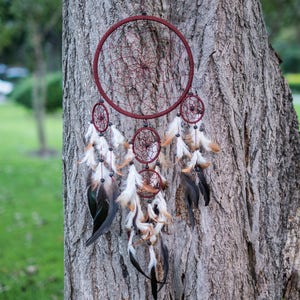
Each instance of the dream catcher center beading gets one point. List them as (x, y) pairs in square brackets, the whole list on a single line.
[(143, 68)]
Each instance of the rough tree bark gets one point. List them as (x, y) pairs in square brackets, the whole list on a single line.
[(245, 244)]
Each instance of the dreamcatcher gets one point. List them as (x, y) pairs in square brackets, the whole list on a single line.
[(143, 68)]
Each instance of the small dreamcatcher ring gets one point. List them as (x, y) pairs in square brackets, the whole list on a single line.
[(192, 109), (100, 117), (152, 183), (146, 145), (143, 67)]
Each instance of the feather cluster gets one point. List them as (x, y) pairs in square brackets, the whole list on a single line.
[(102, 190)]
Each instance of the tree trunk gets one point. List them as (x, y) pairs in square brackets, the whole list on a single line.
[(245, 244), (39, 92)]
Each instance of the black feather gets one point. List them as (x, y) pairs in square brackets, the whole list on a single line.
[(203, 186), (191, 192), (101, 215), (191, 188), (106, 212), (165, 261), (92, 201), (153, 283), (136, 264)]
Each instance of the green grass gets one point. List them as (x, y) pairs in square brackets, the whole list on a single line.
[(297, 109), (31, 216), (294, 81)]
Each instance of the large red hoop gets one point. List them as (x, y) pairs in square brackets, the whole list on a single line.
[(143, 64)]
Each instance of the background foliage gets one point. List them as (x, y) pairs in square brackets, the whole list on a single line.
[(23, 92)]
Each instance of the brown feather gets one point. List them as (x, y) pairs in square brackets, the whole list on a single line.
[(205, 165), (167, 141), (124, 164), (214, 147)]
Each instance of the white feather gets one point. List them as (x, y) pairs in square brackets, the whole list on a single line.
[(130, 154), (94, 135), (158, 227), (128, 157), (153, 261), (205, 141), (89, 132), (174, 127), (135, 202), (118, 137), (152, 215), (181, 148), (135, 176), (130, 246), (200, 158), (102, 145), (134, 179), (163, 179), (197, 159), (89, 157), (110, 158), (160, 201)]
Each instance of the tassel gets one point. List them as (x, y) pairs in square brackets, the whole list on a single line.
[(173, 129), (181, 148), (197, 159), (118, 138), (207, 144)]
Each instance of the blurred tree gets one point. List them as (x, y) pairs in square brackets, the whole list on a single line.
[(281, 14), (32, 22), (282, 18)]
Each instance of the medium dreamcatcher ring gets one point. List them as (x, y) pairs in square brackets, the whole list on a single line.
[(100, 117), (192, 109), (143, 67), (146, 145)]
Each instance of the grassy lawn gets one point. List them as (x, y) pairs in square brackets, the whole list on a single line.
[(31, 209), (297, 108)]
